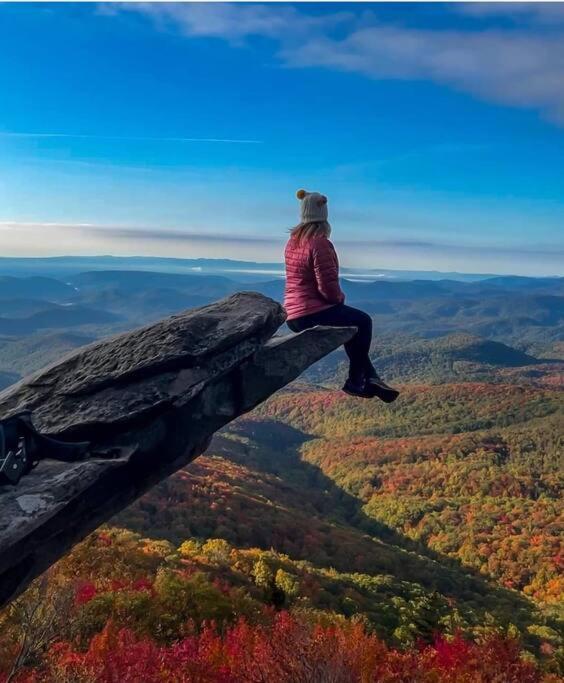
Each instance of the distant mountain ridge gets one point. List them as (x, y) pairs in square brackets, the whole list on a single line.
[(526, 314), (60, 266), (55, 317), (45, 288)]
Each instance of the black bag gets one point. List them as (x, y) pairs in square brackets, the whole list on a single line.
[(22, 447)]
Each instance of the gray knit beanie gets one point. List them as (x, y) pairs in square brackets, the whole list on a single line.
[(313, 207)]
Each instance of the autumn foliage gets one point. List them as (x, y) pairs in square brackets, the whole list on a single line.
[(323, 540), (288, 649)]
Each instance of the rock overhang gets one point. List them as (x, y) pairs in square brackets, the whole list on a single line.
[(149, 402)]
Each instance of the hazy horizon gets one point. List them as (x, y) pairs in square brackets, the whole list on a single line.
[(266, 251), (16, 265)]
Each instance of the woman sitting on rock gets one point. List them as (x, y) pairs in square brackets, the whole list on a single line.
[(313, 295)]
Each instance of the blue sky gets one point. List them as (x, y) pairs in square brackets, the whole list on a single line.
[(436, 130)]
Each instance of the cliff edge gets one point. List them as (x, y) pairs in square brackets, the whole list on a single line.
[(148, 401)]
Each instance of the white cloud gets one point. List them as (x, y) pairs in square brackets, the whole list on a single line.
[(548, 13), (507, 67), (236, 22), (521, 67)]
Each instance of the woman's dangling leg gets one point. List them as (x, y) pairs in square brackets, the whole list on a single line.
[(357, 348), (363, 379), (361, 365)]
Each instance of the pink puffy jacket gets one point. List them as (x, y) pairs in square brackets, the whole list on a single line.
[(312, 277)]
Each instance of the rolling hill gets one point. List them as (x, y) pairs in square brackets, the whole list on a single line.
[(454, 485), (56, 317), (452, 358), (27, 354), (35, 287), (436, 515)]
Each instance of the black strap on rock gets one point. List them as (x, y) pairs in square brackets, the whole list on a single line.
[(22, 447)]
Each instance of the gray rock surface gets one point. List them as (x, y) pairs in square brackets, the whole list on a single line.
[(149, 402)]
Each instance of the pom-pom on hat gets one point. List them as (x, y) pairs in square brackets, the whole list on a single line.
[(313, 207)]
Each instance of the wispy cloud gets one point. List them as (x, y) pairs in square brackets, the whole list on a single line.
[(520, 66), (508, 67), (57, 238), (175, 235), (135, 233), (125, 138), (235, 23), (163, 234)]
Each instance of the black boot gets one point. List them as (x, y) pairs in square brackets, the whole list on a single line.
[(357, 383), (358, 388), (378, 387)]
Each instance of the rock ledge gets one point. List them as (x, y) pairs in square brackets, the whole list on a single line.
[(149, 402)]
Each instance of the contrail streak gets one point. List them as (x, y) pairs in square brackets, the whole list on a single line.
[(129, 138)]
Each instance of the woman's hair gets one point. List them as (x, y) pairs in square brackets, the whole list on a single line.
[(305, 231)]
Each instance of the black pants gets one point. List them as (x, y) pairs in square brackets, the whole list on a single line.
[(344, 316)]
